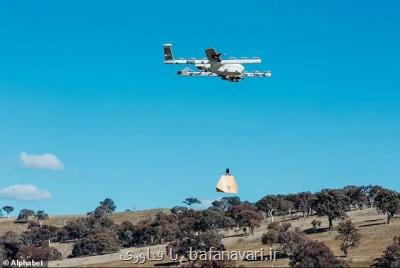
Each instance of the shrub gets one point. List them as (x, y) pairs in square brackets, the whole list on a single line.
[(38, 253), (315, 224), (201, 242), (95, 244), (309, 253), (391, 255), (10, 244)]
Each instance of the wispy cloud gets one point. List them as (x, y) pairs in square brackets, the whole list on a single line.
[(24, 192), (42, 161)]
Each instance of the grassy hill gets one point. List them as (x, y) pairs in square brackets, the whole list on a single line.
[(8, 224), (376, 235)]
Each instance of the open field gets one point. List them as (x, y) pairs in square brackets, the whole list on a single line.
[(376, 235), (118, 217)]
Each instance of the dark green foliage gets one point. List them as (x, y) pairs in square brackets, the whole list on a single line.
[(212, 219), (331, 203), (357, 196), (191, 200), (24, 214), (387, 201), (8, 209), (109, 205), (40, 215)]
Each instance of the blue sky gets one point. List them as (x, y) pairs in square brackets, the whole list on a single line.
[(86, 83)]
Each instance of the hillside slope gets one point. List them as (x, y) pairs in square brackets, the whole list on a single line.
[(376, 235)]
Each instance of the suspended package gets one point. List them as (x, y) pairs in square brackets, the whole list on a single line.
[(227, 183)]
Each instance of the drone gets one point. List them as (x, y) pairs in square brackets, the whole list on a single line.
[(214, 66)]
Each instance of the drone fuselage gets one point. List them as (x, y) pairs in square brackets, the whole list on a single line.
[(231, 69)]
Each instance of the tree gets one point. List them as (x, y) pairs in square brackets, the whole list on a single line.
[(348, 235), (278, 233), (249, 219), (302, 251), (8, 209), (212, 219), (109, 205), (357, 196), (302, 202), (106, 207), (75, 229), (285, 206), (230, 201), (40, 215), (372, 192), (246, 216), (331, 203), (191, 200), (24, 214), (388, 201), (225, 203), (269, 204), (391, 255)]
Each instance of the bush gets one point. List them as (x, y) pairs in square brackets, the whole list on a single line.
[(74, 229), (12, 247), (36, 235), (38, 253), (391, 255), (315, 224), (10, 244), (179, 210), (95, 244), (276, 233), (212, 264), (201, 242), (271, 237), (273, 226), (310, 253)]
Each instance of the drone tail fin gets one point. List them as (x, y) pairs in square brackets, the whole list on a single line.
[(168, 56)]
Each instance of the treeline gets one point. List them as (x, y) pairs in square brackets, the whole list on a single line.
[(332, 203), (97, 233)]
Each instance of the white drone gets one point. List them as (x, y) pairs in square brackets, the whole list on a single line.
[(231, 70)]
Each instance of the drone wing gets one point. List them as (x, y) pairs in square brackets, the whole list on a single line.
[(212, 55)]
